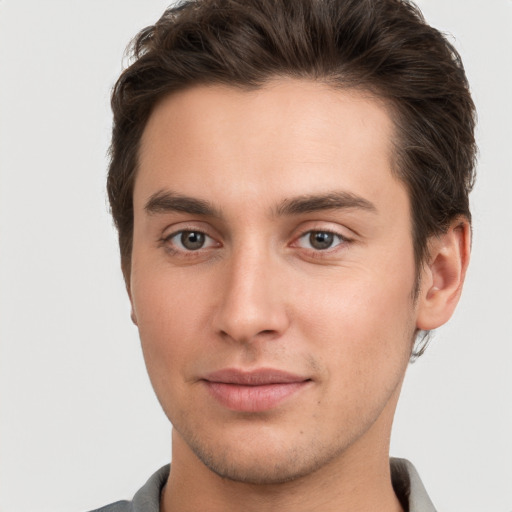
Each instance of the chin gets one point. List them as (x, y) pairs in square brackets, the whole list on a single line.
[(263, 461), (265, 470)]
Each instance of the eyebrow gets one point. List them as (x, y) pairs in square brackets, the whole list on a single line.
[(331, 201), (167, 201)]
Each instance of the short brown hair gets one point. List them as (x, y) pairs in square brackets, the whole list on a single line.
[(380, 46)]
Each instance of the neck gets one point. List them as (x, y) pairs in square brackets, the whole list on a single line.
[(357, 480)]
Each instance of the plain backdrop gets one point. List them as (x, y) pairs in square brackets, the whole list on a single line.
[(79, 425)]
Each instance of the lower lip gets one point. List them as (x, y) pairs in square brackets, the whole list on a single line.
[(253, 398)]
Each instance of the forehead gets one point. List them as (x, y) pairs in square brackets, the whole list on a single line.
[(291, 136)]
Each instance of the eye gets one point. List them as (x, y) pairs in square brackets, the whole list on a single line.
[(188, 240), (320, 240)]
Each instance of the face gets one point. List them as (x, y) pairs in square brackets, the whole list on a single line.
[(272, 275)]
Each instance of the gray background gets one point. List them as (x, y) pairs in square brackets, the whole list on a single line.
[(79, 426)]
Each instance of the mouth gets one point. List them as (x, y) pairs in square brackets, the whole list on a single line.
[(253, 391)]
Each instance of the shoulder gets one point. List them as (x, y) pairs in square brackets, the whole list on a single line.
[(409, 488), (146, 499), (118, 506)]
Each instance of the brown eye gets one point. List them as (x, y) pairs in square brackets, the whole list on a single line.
[(192, 240), (320, 240), (188, 240)]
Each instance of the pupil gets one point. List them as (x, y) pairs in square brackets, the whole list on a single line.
[(321, 239), (192, 240)]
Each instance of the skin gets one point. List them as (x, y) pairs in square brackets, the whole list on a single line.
[(258, 294)]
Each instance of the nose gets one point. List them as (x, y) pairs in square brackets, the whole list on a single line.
[(252, 298)]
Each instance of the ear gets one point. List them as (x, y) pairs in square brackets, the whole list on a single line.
[(133, 316), (127, 281), (443, 276)]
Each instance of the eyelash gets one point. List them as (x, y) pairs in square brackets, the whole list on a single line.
[(342, 240), (166, 241)]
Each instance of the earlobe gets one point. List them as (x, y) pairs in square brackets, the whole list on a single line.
[(133, 317), (443, 276)]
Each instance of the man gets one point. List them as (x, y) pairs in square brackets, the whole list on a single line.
[(290, 184)]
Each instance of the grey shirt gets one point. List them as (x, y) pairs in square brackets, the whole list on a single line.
[(405, 478)]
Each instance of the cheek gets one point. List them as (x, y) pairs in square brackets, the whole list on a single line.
[(363, 339), (171, 319), (363, 324), (166, 302)]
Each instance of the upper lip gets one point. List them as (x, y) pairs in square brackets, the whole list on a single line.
[(258, 377)]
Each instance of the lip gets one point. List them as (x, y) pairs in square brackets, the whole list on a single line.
[(253, 391)]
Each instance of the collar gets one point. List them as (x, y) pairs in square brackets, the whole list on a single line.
[(409, 487), (406, 483)]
